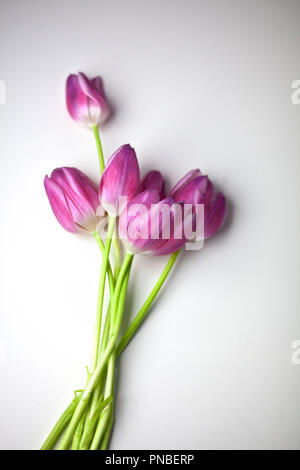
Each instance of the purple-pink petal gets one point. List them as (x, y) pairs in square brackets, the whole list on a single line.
[(134, 221), (77, 101), (77, 185), (214, 216), (121, 178), (59, 205), (199, 190), (184, 181), (169, 247), (73, 198), (95, 92), (177, 238), (154, 180), (80, 192)]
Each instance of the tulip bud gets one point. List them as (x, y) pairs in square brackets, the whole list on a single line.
[(73, 198), (154, 180), (86, 101), (120, 180)]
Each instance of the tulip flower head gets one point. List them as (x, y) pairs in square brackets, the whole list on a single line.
[(86, 101), (73, 198), (120, 181)]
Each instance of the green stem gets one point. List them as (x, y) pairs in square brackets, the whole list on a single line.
[(90, 427), (65, 418), (116, 312), (99, 147), (94, 379), (98, 332), (60, 426), (106, 329), (106, 438), (78, 433), (105, 418), (111, 225), (83, 403), (106, 422), (127, 336), (109, 270), (117, 256)]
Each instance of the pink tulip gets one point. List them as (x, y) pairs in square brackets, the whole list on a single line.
[(86, 101), (154, 180), (73, 198), (120, 179), (195, 188)]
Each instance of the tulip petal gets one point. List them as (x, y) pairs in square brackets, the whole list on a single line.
[(81, 195), (176, 239), (169, 247), (121, 178), (154, 180), (162, 219), (135, 222), (59, 205), (77, 185), (205, 196), (199, 190), (97, 83), (184, 181), (98, 106), (214, 216), (77, 101)]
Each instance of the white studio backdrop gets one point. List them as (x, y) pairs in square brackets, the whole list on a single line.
[(193, 84)]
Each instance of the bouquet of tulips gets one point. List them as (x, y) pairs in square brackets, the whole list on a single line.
[(128, 216)]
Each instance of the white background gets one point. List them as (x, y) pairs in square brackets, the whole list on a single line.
[(193, 84)]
